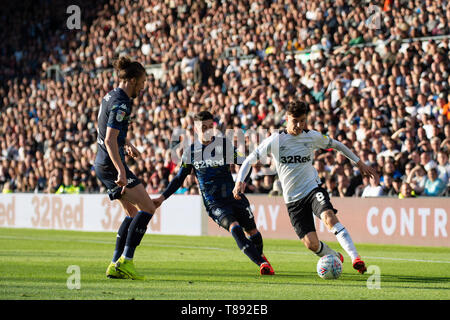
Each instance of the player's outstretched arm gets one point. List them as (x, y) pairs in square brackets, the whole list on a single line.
[(239, 189), (244, 172), (173, 186), (242, 176), (365, 170)]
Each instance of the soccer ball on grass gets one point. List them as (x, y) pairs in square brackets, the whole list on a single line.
[(329, 267)]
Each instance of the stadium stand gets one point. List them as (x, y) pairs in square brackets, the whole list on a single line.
[(378, 80)]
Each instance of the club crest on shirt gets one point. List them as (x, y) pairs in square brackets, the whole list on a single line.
[(120, 115)]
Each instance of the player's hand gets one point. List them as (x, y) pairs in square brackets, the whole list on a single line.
[(238, 190), (367, 171), (121, 179), (132, 151), (158, 201)]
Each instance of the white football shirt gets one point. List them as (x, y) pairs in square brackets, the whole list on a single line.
[(293, 156)]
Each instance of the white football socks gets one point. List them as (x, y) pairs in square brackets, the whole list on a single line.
[(345, 240), (324, 250)]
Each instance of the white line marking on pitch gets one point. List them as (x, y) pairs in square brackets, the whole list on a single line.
[(155, 244)]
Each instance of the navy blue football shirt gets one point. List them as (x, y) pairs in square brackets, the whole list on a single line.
[(211, 165), (115, 111)]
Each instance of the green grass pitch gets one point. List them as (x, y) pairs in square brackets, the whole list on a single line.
[(34, 265)]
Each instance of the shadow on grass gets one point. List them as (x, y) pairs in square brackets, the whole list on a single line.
[(296, 278), (415, 279)]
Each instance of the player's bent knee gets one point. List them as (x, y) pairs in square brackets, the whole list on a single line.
[(130, 210), (131, 214), (147, 206), (232, 225), (140, 198), (251, 232)]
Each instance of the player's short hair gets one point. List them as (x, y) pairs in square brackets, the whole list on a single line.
[(203, 116), (128, 69), (297, 108)]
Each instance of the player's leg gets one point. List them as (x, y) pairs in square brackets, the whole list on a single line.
[(130, 211), (249, 249), (243, 212), (135, 194), (300, 214), (256, 238), (107, 175), (320, 248), (343, 236), (121, 238), (225, 218), (244, 215), (322, 206)]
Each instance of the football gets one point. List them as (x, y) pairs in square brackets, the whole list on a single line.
[(329, 267)]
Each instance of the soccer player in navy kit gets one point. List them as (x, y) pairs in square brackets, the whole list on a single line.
[(112, 171), (210, 159)]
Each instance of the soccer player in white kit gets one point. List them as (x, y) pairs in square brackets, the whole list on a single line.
[(293, 152)]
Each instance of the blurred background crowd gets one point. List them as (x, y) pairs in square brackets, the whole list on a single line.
[(376, 75)]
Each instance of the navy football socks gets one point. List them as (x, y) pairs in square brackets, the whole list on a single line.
[(136, 232), (246, 245), (121, 238), (257, 241)]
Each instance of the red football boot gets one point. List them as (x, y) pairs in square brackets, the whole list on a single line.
[(359, 265), (266, 269)]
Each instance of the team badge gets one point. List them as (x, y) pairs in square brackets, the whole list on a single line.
[(120, 115)]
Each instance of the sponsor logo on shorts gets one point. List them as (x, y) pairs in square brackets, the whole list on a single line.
[(113, 189), (216, 212)]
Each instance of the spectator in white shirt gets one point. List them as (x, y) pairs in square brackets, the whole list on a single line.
[(373, 189)]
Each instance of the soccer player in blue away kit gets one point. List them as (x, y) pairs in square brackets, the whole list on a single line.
[(112, 171), (210, 159)]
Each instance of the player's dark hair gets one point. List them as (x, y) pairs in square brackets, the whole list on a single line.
[(127, 69), (297, 108), (203, 116)]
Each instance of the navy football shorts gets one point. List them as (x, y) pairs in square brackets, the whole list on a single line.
[(227, 212), (108, 174)]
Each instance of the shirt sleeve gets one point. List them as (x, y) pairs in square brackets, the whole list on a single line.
[(266, 147), (117, 116), (325, 142), (321, 141), (177, 181)]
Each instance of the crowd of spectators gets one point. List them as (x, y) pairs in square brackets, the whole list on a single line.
[(384, 97)]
